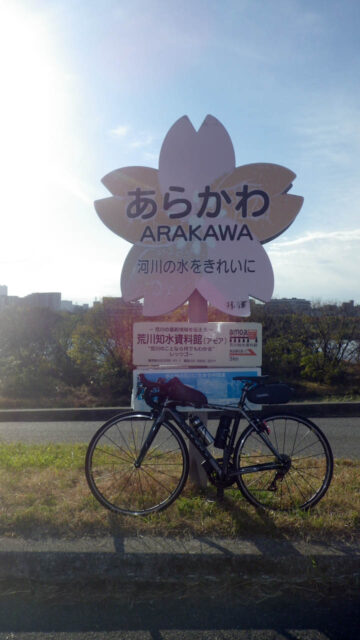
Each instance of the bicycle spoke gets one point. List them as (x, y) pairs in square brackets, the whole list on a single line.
[(129, 454), (305, 478), (311, 444), (156, 480), (289, 493), (123, 439), (114, 455), (321, 454), (306, 471), (295, 438), (113, 477)]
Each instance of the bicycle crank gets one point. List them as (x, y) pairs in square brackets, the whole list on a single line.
[(215, 479)]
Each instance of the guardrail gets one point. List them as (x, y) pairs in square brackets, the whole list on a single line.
[(100, 414)]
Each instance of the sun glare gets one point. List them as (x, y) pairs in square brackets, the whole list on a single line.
[(32, 113)]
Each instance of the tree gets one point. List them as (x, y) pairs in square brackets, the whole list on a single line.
[(101, 348), (334, 342), (34, 356)]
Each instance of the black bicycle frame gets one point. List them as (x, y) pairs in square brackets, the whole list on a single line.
[(167, 412)]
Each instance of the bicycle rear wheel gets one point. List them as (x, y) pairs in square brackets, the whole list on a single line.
[(309, 469), (117, 483)]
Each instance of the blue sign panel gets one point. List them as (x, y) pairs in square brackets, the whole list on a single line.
[(218, 385)]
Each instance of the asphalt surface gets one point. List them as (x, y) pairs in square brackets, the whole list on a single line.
[(174, 617), (342, 433), (146, 588)]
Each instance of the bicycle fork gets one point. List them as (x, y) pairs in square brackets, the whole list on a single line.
[(149, 440)]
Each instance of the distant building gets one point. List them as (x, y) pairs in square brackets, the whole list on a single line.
[(68, 305), (3, 296), (44, 300), (118, 307), (5, 299), (13, 301), (349, 309), (47, 300), (288, 305)]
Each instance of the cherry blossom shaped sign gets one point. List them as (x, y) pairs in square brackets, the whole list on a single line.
[(198, 222)]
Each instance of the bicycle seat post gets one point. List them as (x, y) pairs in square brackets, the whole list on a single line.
[(244, 390)]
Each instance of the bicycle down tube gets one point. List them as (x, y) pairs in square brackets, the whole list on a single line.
[(189, 432)]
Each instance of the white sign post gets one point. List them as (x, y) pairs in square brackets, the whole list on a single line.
[(198, 312), (198, 224)]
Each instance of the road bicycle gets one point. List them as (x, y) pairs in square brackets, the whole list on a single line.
[(137, 463)]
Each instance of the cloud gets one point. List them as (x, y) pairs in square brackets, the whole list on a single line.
[(120, 131), (330, 130), (143, 141), (322, 264), (138, 141), (152, 158), (345, 236)]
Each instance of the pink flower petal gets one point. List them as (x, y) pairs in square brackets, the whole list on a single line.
[(274, 180), (113, 211), (120, 181), (243, 269), (187, 157), (158, 274)]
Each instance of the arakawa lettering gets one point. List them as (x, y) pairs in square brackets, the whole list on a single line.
[(217, 232)]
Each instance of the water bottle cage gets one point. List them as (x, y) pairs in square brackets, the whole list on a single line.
[(222, 432), (201, 430)]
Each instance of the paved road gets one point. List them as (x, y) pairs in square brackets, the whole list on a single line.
[(173, 618), (342, 433)]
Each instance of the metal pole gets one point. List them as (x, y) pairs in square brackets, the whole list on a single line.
[(198, 312)]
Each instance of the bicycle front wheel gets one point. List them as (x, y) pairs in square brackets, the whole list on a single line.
[(308, 471), (110, 465)]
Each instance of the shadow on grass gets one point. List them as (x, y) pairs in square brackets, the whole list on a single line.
[(197, 513), (259, 525)]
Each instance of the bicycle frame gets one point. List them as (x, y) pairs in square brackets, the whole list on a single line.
[(236, 414), (137, 463)]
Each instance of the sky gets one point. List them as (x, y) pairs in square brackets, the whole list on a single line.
[(89, 86)]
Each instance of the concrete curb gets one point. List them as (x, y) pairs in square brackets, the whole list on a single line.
[(310, 410), (162, 561)]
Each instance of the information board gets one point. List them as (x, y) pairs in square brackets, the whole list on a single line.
[(218, 385), (215, 344)]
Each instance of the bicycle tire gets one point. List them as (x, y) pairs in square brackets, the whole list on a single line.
[(112, 476), (310, 473)]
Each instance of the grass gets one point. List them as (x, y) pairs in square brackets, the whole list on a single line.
[(43, 491)]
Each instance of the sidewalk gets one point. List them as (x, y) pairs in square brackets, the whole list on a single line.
[(165, 561)]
